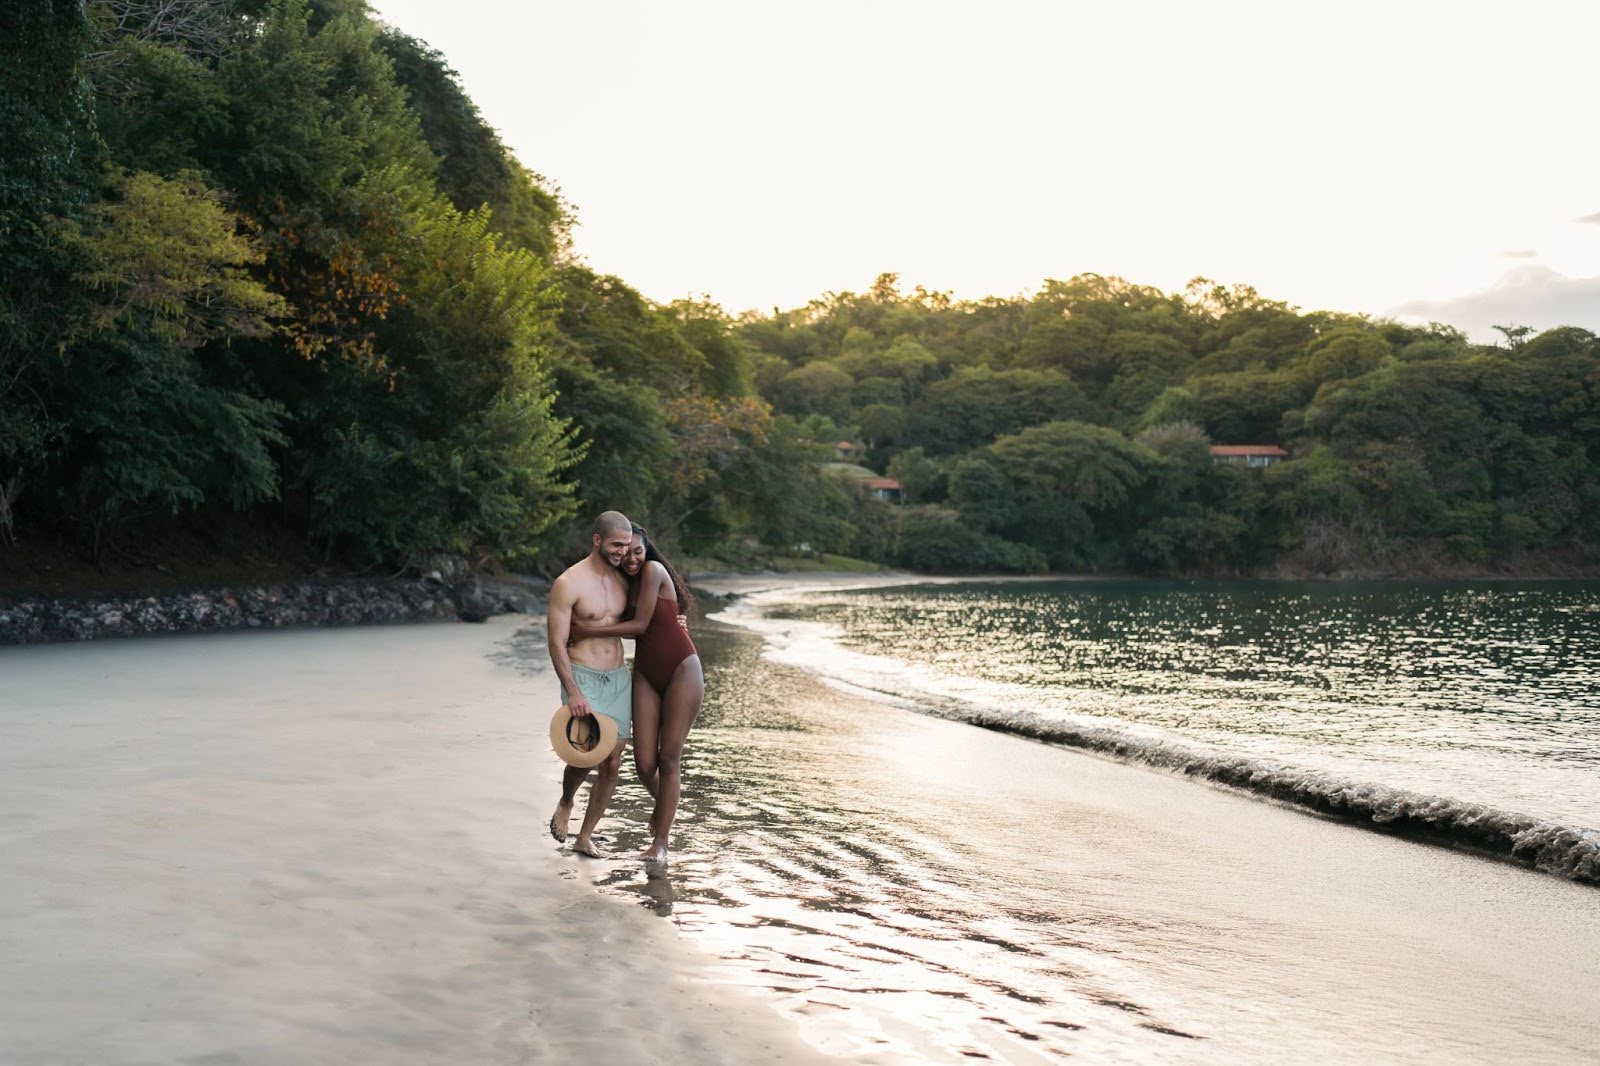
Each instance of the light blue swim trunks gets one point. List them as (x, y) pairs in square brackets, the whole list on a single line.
[(609, 692)]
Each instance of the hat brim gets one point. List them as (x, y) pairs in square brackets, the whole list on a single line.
[(567, 732)]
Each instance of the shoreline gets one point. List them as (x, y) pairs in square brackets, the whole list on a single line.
[(1567, 851), (837, 857), (314, 601)]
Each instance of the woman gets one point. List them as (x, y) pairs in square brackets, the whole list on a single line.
[(668, 685)]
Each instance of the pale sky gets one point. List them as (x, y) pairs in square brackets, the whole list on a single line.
[(1354, 156)]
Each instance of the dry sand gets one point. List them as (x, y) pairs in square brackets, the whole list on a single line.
[(318, 846)]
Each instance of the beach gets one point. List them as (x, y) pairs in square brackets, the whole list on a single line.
[(331, 845), (318, 846)]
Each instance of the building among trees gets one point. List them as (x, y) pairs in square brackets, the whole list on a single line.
[(1248, 454), (886, 489)]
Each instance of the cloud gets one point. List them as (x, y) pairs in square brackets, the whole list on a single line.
[(1593, 220), (1525, 296), (1528, 254)]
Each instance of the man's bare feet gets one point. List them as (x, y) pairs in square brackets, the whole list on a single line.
[(558, 822), (656, 852)]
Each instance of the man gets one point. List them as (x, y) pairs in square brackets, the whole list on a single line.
[(594, 678)]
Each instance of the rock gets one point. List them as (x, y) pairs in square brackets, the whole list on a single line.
[(317, 602)]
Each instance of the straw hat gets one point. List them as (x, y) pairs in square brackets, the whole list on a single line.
[(585, 741)]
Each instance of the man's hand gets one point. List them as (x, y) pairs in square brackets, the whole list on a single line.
[(579, 705)]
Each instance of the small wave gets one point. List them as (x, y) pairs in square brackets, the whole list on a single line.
[(1568, 851)]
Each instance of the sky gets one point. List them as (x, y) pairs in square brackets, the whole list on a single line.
[(1419, 159)]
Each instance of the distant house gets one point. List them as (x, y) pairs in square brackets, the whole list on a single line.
[(883, 488), (1248, 454), (846, 452)]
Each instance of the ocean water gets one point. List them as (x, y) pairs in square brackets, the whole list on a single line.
[(1479, 695), (909, 888)]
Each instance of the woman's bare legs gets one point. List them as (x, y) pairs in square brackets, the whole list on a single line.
[(646, 730), (685, 692)]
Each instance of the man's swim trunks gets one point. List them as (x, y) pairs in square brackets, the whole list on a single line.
[(609, 692)]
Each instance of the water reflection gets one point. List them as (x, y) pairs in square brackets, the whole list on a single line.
[(1485, 692), (813, 865)]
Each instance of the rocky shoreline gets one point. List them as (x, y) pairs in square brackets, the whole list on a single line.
[(325, 602)]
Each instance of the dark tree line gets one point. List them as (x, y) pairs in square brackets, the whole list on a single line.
[(1072, 429), (265, 266)]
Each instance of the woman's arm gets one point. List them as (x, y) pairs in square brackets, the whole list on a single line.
[(649, 592)]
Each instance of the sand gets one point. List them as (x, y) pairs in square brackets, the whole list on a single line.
[(318, 846), (330, 846)]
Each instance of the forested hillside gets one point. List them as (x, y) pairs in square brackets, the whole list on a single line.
[(1077, 424), (269, 278)]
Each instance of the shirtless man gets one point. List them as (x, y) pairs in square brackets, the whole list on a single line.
[(594, 678)]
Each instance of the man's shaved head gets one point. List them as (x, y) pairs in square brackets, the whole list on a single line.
[(612, 522)]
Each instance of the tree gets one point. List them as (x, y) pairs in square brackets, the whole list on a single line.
[(934, 538), (819, 387), (976, 404), (604, 322), (475, 168), (48, 162), (1515, 336), (1146, 364), (1073, 484), (923, 479), (982, 496), (726, 369), (164, 275)]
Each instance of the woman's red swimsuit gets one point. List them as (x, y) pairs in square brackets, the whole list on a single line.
[(662, 646)]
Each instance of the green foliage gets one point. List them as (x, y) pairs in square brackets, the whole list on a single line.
[(725, 364), (163, 257), (982, 496), (821, 387), (935, 539), (923, 479), (147, 431), (1403, 439), (163, 274), (475, 168), (269, 256), (271, 301), (457, 445), (48, 168), (976, 404), (606, 324), (623, 432)]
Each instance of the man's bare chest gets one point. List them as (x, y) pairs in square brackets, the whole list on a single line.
[(600, 601)]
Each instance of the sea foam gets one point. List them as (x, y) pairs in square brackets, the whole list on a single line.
[(1568, 851)]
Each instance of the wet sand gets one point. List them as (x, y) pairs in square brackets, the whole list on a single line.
[(318, 847)]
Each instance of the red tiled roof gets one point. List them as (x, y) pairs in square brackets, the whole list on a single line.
[(1249, 449), (846, 446), (881, 483)]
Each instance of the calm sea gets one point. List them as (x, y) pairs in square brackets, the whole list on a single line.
[(1472, 693)]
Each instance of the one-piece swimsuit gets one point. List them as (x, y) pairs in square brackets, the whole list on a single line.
[(662, 646)]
